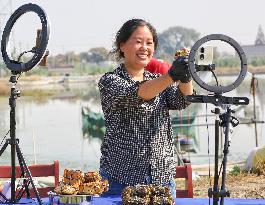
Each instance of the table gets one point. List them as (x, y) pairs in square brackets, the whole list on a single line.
[(116, 200)]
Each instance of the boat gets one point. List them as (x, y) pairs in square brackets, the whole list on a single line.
[(185, 133), (185, 136), (185, 118), (93, 124)]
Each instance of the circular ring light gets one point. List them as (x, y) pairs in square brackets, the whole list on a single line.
[(38, 52), (239, 50)]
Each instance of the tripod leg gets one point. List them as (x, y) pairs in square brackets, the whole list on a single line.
[(216, 175), (25, 166), (226, 150), (25, 182), (2, 196), (3, 148), (13, 171)]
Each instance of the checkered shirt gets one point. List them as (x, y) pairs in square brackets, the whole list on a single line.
[(139, 139)]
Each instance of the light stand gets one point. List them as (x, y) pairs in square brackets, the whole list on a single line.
[(16, 68), (225, 119), (16, 150)]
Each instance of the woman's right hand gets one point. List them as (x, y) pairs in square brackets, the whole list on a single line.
[(179, 70)]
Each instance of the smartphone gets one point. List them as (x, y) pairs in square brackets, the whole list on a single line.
[(205, 55)]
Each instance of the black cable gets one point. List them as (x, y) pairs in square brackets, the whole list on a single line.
[(215, 77), (20, 55), (24, 52), (217, 84)]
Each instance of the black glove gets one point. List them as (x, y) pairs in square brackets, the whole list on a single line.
[(180, 70)]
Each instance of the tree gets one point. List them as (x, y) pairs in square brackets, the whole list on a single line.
[(84, 57), (96, 55), (71, 58), (173, 39)]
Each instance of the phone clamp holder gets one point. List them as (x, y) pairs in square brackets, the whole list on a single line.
[(210, 67)]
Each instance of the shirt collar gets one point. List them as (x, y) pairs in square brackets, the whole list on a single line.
[(121, 70)]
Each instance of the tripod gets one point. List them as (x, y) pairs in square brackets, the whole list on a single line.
[(225, 120), (15, 149)]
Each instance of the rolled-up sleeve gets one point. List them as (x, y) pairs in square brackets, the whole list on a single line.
[(175, 99)]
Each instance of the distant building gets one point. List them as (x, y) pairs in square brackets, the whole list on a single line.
[(258, 49)]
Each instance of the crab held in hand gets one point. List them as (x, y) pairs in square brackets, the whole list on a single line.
[(184, 52)]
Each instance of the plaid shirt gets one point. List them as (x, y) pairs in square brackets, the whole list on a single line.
[(139, 140)]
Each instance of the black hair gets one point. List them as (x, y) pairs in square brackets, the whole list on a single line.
[(126, 31)]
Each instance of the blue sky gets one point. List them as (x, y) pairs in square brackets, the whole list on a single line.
[(79, 25)]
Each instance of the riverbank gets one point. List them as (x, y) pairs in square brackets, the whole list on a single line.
[(44, 80), (40, 86)]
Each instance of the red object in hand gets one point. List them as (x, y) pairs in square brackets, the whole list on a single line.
[(158, 66)]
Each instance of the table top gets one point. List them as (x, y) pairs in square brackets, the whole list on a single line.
[(116, 200)]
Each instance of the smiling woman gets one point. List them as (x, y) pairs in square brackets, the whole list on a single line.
[(138, 144), (138, 51)]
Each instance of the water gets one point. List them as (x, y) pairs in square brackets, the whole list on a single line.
[(56, 127)]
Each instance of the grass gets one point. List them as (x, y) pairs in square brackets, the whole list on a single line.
[(259, 168), (35, 93), (243, 185), (240, 183), (39, 93)]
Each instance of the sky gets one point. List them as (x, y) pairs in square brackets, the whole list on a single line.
[(78, 25)]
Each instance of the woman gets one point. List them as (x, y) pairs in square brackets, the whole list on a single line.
[(138, 144)]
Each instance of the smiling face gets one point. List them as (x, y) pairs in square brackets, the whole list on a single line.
[(138, 49)]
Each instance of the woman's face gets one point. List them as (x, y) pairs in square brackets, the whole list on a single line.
[(139, 48)]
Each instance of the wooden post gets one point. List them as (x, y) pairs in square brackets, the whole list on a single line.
[(253, 86)]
